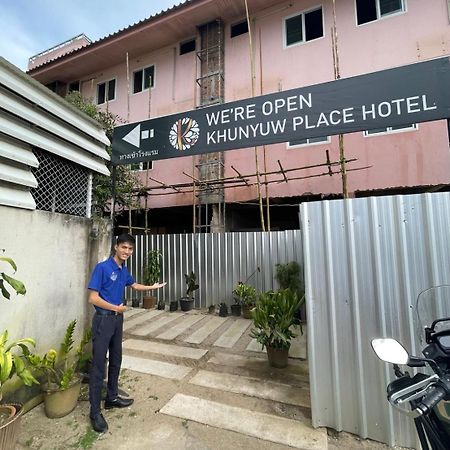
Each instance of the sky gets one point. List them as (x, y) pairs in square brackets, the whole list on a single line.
[(28, 27)]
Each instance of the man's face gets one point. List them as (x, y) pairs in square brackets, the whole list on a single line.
[(124, 251)]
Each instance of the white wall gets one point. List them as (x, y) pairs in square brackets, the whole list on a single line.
[(54, 254)]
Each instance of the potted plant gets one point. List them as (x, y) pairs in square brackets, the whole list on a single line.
[(13, 361), (152, 273), (288, 277), (245, 295), (187, 302), (61, 371), (273, 318), (161, 304), (223, 309)]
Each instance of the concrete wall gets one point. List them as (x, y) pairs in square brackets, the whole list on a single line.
[(54, 254)]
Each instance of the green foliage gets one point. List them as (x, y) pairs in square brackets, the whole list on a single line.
[(61, 368), (288, 277), (244, 294), (273, 318), (127, 183), (191, 283), (17, 285), (13, 362), (152, 271)]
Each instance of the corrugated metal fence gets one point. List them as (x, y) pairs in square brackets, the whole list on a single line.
[(219, 260), (366, 260)]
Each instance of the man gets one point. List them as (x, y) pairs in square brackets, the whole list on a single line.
[(107, 286)]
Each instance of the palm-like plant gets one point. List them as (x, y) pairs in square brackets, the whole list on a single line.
[(244, 294), (273, 318), (17, 285)]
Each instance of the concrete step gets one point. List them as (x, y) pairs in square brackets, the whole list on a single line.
[(253, 387), (147, 328), (209, 327), (149, 347), (180, 327), (251, 423), (152, 367), (233, 334), (141, 318)]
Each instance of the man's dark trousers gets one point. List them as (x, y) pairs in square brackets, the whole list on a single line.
[(106, 335)]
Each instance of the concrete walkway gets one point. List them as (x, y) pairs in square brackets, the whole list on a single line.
[(218, 357)]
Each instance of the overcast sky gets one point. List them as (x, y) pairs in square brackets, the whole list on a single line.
[(28, 27)]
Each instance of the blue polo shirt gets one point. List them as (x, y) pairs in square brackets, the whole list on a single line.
[(109, 280)]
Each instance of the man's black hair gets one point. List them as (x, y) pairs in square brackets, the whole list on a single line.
[(121, 239)]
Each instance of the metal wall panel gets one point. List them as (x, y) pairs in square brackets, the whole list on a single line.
[(366, 260), (220, 261)]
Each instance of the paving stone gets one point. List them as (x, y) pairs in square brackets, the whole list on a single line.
[(253, 387), (130, 312), (163, 349), (147, 328), (130, 323), (181, 327), (202, 333), (232, 335), (152, 367), (251, 423)]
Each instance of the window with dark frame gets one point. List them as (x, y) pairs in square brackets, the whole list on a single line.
[(106, 91), (143, 79), (147, 165), (304, 27), (307, 141), (187, 47), (239, 28), (371, 10)]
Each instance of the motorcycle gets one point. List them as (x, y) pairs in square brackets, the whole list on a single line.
[(424, 396)]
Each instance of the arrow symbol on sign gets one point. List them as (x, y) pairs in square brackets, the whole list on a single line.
[(134, 136)]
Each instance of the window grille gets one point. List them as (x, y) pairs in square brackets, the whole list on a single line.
[(63, 186)]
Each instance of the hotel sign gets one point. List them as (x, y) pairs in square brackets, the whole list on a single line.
[(394, 97)]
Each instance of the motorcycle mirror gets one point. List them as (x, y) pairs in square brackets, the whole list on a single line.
[(389, 350)]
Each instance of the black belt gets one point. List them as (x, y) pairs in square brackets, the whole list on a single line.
[(105, 312)]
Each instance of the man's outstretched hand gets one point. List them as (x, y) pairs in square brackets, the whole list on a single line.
[(158, 285)]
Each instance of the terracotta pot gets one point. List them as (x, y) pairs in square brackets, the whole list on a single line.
[(149, 302), (9, 430), (247, 311), (58, 403), (278, 357)]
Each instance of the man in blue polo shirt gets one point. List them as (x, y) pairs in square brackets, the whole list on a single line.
[(107, 287)]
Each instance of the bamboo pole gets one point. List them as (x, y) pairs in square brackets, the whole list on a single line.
[(337, 76), (252, 68)]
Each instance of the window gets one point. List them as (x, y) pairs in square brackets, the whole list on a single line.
[(187, 47), (388, 130), (143, 79), (74, 86), (370, 10), (142, 166), (106, 91), (308, 141), (239, 28), (303, 27)]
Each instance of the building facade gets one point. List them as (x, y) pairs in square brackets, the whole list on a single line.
[(204, 52)]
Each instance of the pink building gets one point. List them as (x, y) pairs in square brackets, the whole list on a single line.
[(200, 53)]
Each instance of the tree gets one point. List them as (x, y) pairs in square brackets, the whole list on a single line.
[(127, 182)]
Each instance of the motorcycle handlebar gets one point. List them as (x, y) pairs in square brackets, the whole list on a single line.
[(436, 394)]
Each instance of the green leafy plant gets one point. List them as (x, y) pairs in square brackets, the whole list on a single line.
[(17, 285), (244, 294), (61, 368), (191, 283), (152, 271), (273, 318), (13, 360), (288, 277)]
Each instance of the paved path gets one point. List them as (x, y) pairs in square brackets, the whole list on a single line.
[(218, 357)]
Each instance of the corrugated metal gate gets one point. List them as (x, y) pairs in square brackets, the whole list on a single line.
[(366, 260), (220, 261)]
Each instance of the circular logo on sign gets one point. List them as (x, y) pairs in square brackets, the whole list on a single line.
[(184, 133)]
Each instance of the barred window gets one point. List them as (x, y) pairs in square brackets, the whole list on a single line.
[(63, 186)]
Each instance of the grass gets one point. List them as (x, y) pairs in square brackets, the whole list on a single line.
[(87, 440)]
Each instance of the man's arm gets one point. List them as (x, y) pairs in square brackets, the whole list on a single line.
[(144, 287), (96, 300)]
